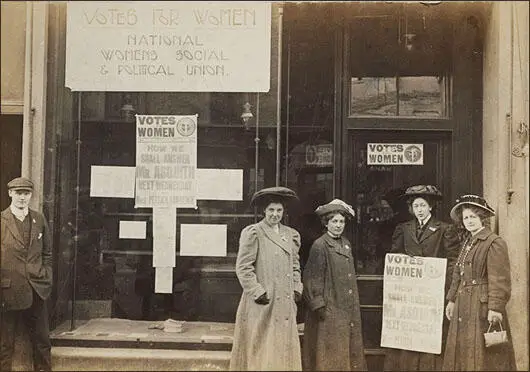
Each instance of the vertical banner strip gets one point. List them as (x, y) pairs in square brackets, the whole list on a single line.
[(164, 237), (164, 280)]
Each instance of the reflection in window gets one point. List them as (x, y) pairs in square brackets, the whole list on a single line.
[(411, 96), (374, 96)]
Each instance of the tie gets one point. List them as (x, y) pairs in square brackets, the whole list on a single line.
[(419, 230)]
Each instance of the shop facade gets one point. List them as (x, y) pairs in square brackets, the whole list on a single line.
[(365, 99)]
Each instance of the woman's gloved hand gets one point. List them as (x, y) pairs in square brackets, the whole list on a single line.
[(263, 299), (321, 312)]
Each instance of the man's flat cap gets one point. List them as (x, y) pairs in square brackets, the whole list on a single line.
[(20, 183)]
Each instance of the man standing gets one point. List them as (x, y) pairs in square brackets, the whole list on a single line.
[(26, 276)]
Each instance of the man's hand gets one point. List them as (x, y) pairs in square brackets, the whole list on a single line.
[(263, 299)]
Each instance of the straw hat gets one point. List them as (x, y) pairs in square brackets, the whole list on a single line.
[(477, 201), (336, 205)]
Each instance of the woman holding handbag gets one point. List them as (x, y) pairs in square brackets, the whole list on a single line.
[(478, 295)]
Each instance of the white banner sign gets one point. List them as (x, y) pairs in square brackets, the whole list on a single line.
[(394, 154), (413, 303), (184, 46), (166, 161)]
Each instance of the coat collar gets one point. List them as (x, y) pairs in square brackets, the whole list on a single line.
[(338, 245), (9, 219), (281, 239), (483, 234), (432, 226)]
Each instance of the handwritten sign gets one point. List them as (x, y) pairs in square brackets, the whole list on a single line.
[(413, 303), (394, 154), (166, 161), (186, 46)]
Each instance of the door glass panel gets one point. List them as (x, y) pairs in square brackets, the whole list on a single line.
[(377, 190)]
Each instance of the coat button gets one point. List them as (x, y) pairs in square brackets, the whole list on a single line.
[(350, 291), (349, 275), (474, 281), (351, 324), (347, 247), (459, 319)]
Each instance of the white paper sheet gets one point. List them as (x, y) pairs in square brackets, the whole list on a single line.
[(203, 240), (164, 236), (133, 230), (163, 280), (413, 303), (219, 184), (112, 181)]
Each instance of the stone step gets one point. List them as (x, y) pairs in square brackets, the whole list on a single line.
[(123, 359)]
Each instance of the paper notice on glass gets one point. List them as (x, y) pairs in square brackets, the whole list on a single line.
[(219, 184), (166, 161), (164, 236), (202, 240), (163, 280), (112, 181), (133, 230), (413, 303)]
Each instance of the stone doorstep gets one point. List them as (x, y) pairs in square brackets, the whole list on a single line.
[(122, 359)]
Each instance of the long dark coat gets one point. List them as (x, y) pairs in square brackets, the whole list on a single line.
[(335, 343), (482, 284), (438, 239), (25, 268), (266, 336)]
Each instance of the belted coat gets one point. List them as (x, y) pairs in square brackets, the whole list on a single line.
[(438, 239), (25, 268), (480, 284), (266, 336), (336, 342)]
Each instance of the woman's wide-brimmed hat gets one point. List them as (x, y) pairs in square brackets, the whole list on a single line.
[(283, 193), (428, 191), (477, 201), (336, 205)]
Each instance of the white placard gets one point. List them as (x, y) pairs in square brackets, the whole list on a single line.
[(220, 184), (163, 280), (166, 161), (164, 236), (133, 230), (168, 46), (203, 240), (413, 303), (112, 181), (394, 154)]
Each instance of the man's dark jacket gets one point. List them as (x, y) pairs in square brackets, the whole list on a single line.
[(25, 267)]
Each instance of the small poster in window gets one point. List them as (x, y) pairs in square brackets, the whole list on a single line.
[(166, 161), (395, 154)]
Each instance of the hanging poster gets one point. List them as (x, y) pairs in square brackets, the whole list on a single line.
[(166, 161), (394, 154), (413, 303), (168, 46)]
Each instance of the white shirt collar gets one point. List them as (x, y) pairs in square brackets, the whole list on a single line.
[(424, 222), (19, 213)]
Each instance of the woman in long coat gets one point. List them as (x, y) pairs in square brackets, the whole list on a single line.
[(266, 335), (480, 289), (423, 236), (333, 339)]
